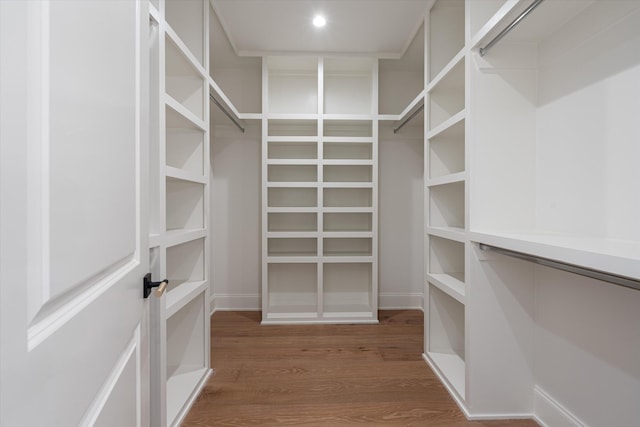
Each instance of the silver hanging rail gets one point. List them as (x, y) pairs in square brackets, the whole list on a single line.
[(408, 119), (226, 113), (496, 39), (583, 271)]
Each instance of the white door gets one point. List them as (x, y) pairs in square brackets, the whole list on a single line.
[(73, 227)]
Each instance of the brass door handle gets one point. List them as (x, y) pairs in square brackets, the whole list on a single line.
[(147, 285), (162, 288)]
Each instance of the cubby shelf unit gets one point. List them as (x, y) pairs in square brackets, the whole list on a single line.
[(319, 190), (179, 177), (446, 194), (519, 157)]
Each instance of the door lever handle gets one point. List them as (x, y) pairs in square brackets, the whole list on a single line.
[(147, 285)]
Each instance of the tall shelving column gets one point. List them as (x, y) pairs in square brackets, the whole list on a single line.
[(446, 240), (290, 195), (319, 190), (349, 158), (178, 240)]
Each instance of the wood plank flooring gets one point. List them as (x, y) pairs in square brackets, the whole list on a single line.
[(324, 375)]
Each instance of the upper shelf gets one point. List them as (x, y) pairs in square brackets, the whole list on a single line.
[(615, 257), (545, 20)]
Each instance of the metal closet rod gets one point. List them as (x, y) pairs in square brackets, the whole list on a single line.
[(583, 271), (226, 113), (408, 119), (496, 39)]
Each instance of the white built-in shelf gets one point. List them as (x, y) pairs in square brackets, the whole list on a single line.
[(285, 209), (182, 388), (184, 175), (347, 234), (180, 236), (549, 17), (285, 138), (451, 369), (453, 67), (447, 97), (446, 179), (617, 257), (347, 162), (452, 284), (303, 259), (347, 185), (452, 233), (291, 184), (190, 120), (347, 259), (354, 209), (292, 162), (181, 293), (447, 125), (348, 139), (292, 234)]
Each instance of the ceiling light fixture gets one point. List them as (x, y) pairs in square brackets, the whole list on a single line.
[(319, 21)]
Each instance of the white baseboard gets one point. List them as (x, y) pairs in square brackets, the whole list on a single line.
[(550, 413), (400, 301), (240, 302)]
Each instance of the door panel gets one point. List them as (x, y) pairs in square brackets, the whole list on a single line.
[(74, 346)]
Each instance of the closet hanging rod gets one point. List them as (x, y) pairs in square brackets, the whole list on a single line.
[(408, 119), (583, 271), (496, 39), (226, 113)]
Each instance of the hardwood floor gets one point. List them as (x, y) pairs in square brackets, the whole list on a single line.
[(324, 375)]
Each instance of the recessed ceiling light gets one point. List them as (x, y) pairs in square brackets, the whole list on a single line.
[(319, 21)]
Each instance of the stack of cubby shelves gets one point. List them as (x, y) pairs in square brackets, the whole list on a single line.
[(179, 200), (446, 184), (319, 174), (519, 157)]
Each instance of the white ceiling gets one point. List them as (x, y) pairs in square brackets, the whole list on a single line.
[(381, 28)]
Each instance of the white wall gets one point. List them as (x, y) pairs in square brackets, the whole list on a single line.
[(235, 217), (587, 341), (401, 194)]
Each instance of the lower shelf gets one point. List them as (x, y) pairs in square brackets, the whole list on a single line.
[(182, 388), (451, 369)]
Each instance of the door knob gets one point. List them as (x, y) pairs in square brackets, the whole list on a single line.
[(147, 285)]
